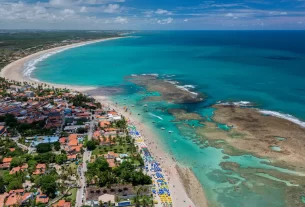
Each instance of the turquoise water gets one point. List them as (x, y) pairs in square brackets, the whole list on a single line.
[(276, 148), (226, 66)]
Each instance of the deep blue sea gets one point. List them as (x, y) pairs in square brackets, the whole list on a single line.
[(263, 67)]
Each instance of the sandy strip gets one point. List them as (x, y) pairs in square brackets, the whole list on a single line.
[(180, 191), (14, 70)]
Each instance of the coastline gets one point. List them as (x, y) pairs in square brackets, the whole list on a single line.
[(14, 71), (181, 196)]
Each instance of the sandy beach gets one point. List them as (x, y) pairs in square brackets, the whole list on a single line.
[(179, 182)]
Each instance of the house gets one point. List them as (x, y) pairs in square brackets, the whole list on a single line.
[(19, 168), (2, 130), (2, 199), (17, 197), (73, 142), (40, 169), (75, 149), (42, 198), (13, 200), (111, 155), (73, 128), (62, 140), (72, 136), (7, 161), (111, 163), (5, 166), (62, 203), (29, 93), (104, 124), (72, 157)]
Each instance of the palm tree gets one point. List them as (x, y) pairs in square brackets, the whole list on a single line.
[(145, 202), (120, 140), (136, 201)]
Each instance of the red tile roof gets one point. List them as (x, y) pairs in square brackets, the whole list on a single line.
[(7, 160)]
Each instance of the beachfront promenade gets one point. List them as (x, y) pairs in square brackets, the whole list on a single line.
[(160, 187)]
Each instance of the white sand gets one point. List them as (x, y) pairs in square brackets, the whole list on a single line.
[(14, 71)]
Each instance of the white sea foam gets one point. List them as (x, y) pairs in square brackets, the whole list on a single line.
[(155, 116), (284, 116), (172, 82), (151, 74), (187, 88), (238, 103), (169, 76), (30, 66)]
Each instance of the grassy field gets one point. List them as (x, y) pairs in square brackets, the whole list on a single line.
[(73, 195), (121, 149)]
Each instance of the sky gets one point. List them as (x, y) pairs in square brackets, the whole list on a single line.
[(153, 14)]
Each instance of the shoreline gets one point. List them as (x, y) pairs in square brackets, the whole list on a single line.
[(180, 195), (14, 70)]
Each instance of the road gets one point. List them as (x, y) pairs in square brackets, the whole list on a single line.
[(81, 170)]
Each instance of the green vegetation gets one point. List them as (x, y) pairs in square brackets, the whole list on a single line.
[(48, 184), (25, 129), (91, 145), (21, 43), (103, 175), (47, 147), (72, 196), (14, 181)]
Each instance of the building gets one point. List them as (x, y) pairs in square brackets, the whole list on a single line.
[(42, 199), (29, 93), (73, 129), (40, 169), (2, 130), (62, 203)]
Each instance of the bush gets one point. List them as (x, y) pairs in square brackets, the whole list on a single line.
[(91, 145), (44, 147)]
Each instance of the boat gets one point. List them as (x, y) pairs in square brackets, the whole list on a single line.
[(145, 105), (170, 132), (162, 128)]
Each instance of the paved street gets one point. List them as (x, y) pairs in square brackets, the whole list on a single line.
[(80, 195)]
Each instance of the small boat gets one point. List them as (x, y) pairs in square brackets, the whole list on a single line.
[(132, 105), (170, 132), (162, 128), (145, 105)]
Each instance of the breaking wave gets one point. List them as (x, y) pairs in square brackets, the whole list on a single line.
[(284, 116)]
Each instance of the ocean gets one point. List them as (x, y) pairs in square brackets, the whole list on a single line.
[(266, 68)]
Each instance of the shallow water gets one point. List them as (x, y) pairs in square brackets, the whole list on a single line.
[(226, 66)]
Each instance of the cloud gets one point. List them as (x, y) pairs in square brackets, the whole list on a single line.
[(165, 21), (162, 11), (121, 20), (229, 15), (83, 9), (112, 8), (68, 12)]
